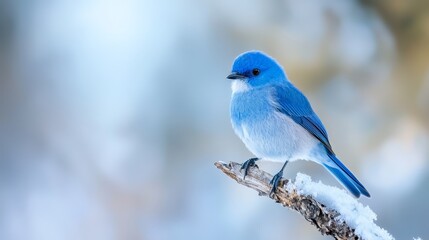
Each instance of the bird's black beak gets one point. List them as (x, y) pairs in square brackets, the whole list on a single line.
[(235, 75)]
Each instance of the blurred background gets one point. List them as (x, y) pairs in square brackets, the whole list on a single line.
[(112, 114)]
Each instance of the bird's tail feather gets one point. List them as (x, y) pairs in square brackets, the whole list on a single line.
[(337, 168)]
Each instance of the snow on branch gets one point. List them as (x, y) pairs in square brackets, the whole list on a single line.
[(332, 210)]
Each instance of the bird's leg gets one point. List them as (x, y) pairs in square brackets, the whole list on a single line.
[(276, 179), (247, 164)]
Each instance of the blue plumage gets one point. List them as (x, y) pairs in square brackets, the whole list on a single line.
[(294, 104), (276, 122)]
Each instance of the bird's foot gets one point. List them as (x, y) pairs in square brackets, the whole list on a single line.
[(247, 164), (275, 182)]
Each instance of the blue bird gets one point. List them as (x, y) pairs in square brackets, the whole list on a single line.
[(276, 122)]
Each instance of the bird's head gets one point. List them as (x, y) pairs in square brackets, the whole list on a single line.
[(255, 69)]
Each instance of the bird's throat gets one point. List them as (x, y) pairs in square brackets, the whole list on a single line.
[(238, 86)]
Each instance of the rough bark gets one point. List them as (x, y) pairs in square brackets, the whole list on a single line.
[(313, 211)]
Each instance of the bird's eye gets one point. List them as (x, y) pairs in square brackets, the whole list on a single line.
[(256, 72)]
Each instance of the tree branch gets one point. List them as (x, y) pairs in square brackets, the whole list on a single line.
[(327, 221)]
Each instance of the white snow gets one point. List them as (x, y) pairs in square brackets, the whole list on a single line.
[(357, 216)]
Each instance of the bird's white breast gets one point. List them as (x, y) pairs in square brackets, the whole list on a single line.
[(266, 132)]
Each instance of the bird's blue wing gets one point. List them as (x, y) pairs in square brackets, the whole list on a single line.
[(291, 102)]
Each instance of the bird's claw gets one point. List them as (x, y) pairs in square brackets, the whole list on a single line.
[(275, 181), (247, 164)]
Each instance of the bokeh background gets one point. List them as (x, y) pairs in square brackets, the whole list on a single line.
[(112, 114)]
